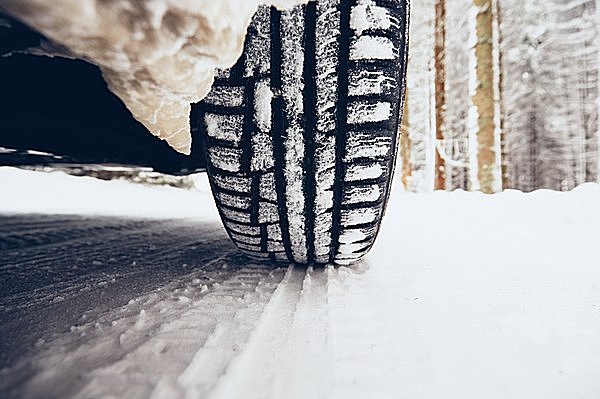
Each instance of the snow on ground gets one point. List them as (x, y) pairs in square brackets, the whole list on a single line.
[(464, 296), (57, 193)]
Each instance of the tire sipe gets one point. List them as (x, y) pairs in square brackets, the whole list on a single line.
[(300, 135)]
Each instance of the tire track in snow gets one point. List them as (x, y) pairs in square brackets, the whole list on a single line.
[(207, 377), (287, 353), (48, 231), (77, 281), (146, 351)]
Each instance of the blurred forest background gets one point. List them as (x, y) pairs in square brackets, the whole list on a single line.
[(502, 94)]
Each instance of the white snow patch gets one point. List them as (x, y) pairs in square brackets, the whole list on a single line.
[(363, 112), (364, 172), (263, 97), (368, 15), (25, 191), (372, 48), (224, 127)]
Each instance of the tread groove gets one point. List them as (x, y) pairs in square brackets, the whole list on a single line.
[(279, 127), (341, 124)]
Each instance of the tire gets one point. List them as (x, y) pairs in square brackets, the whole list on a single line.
[(300, 135)]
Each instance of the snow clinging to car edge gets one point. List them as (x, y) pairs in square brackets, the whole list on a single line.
[(157, 56)]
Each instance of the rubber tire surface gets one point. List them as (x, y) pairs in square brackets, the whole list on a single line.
[(300, 135)]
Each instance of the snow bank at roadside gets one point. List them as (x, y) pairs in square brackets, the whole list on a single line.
[(157, 56), (25, 191)]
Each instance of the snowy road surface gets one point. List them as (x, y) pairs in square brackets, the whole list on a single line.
[(465, 296)]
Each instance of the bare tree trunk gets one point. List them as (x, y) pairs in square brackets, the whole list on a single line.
[(440, 90), (405, 147), (485, 168), (499, 84)]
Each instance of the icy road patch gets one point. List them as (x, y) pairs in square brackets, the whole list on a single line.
[(464, 296)]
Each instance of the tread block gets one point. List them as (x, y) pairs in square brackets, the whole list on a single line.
[(367, 15), (263, 96), (234, 215), (226, 96), (359, 194), (346, 259), (274, 232), (234, 201), (324, 173), (370, 83), (350, 236), (233, 183), (365, 145), (292, 34), (262, 153), (357, 248), (353, 217), (267, 189), (245, 239), (242, 229), (224, 127), (257, 60), (267, 213), (373, 48), (360, 172), (360, 112), (327, 63), (229, 159), (323, 239)]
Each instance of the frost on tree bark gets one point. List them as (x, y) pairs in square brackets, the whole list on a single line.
[(484, 143), (420, 134)]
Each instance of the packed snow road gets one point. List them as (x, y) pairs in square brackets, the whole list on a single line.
[(465, 296)]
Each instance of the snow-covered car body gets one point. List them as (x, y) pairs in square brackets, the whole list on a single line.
[(54, 109)]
